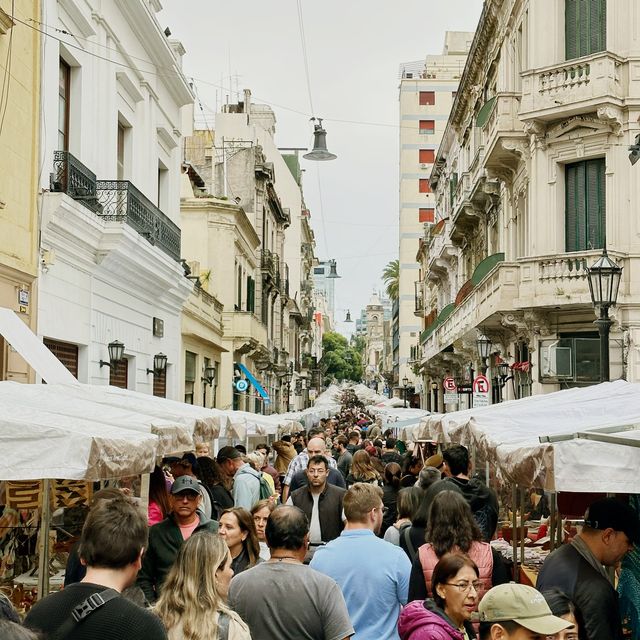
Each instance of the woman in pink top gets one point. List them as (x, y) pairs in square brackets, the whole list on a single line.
[(159, 505)]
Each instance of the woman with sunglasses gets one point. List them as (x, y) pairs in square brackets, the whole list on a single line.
[(455, 597)]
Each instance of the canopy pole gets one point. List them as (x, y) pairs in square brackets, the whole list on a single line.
[(145, 480), (43, 542), (552, 521), (560, 527), (514, 529), (522, 526)]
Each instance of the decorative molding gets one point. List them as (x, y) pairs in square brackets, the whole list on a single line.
[(5, 22), (81, 21), (526, 324), (613, 117), (123, 79)]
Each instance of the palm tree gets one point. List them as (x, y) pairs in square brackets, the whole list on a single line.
[(391, 277)]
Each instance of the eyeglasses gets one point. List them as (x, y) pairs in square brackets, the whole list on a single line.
[(189, 495), (464, 587), (316, 472)]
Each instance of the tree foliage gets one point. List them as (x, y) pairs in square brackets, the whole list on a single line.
[(340, 361), (391, 278)]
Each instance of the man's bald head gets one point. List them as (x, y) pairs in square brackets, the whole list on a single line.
[(316, 447)]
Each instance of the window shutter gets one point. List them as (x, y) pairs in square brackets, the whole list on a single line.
[(598, 25), (426, 215), (426, 156), (423, 186), (189, 366), (595, 203), (571, 208), (571, 29)]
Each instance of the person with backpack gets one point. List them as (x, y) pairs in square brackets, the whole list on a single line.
[(407, 505)]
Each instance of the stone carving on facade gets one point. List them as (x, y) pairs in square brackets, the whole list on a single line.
[(613, 117), (537, 133), (524, 325)]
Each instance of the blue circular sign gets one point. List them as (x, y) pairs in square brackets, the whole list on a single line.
[(242, 385)]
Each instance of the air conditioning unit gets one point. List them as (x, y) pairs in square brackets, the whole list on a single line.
[(556, 361)]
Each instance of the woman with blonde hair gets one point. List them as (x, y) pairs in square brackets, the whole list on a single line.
[(362, 470), (193, 602)]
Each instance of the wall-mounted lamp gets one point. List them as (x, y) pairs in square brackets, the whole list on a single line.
[(159, 365), (209, 375), (116, 353)]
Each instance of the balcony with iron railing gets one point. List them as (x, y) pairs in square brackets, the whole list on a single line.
[(70, 176), (122, 201)]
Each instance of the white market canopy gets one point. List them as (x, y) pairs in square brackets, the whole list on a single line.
[(37, 444), (591, 430)]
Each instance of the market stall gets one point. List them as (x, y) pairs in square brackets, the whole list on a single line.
[(583, 440)]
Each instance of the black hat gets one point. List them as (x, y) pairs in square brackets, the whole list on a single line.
[(228, 453), (185, 483), (610, 513)]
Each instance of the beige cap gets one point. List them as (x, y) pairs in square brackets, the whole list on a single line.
[(435, 460), (522, 604)]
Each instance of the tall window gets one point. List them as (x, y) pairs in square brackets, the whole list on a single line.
[(251, 294), (189, 376), (585, 27), (64, 87), (427, 126), (585, 205), (163, 186), (423, 186), (427, 97), (119, 374)]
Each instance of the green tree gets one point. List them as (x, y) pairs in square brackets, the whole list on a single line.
[(339, 361), (391, 278)]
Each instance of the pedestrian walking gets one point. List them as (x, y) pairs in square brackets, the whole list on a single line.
[(358, 557), (239, 532), (193, 604), (113, 539), (282, 599), (563, 607), (362, 470), (407, 504), (610, 530), (390, 490), (261, 512), (447, 615)]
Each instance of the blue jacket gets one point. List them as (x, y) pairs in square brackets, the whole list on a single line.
[(246, 487)]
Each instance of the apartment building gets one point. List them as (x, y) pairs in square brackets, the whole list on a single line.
[(427, 91), (531, 180), (112, 285), (20, 49)]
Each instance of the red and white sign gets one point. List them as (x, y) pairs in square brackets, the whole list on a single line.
[(449, 385), (480, 384), (481, 391)]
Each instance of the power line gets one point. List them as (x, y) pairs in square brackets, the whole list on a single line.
[(305, 57), (6, 81)]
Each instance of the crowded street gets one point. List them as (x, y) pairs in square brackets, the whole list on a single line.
[(319, 320)]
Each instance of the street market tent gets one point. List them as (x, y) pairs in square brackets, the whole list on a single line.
[(60, 400), (591, 438), (37, 444)]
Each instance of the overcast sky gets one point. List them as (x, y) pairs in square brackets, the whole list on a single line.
[(354, 49)]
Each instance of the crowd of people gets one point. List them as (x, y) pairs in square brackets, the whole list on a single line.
[(336, 533)]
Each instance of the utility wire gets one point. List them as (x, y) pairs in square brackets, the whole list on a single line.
[(305, 57), (6, 81)]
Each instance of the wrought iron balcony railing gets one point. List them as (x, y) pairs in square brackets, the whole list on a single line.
[(70, 176), (120, 200)]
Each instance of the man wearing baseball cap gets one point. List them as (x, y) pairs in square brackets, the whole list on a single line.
[(166, 537), (610, 530), (517, 612)]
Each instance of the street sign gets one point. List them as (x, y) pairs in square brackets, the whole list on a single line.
[(451, 398), (242, 385), (464, 388), (449, 385), (481, 390)]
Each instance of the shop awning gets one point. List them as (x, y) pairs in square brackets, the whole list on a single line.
[(27, 344)]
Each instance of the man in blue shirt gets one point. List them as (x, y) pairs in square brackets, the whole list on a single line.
[(373, 575)]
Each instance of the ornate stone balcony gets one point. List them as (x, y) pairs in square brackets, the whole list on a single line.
[(573, 87)]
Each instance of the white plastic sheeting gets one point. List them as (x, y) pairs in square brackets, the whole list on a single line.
[(508, 435), (37, 444)]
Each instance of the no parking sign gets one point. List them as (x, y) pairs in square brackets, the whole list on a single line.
[(481, 388)]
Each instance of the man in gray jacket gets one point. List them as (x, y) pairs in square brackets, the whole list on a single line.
[(246, 480)]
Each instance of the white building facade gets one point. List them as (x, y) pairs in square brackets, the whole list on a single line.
[(427, 91), (110, 219), (532, 179)]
